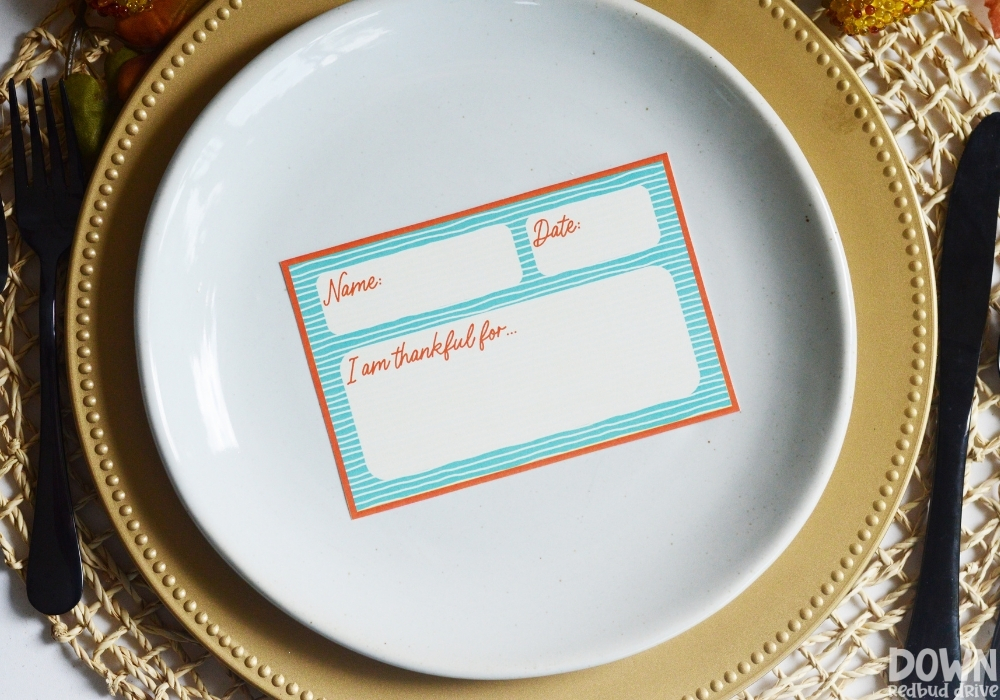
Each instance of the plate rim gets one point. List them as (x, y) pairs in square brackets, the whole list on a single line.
[(222, 28), (155, 276)]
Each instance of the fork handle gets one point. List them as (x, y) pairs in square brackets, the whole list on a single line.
[(55, 572)]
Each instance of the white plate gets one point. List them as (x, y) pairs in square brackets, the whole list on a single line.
[(383, 114)]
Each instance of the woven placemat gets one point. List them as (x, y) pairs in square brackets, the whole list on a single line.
[(934, 77)]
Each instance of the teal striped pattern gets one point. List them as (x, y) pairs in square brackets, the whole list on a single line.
[(328, 350)]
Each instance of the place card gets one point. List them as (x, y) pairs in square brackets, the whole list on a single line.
[(510, 336)]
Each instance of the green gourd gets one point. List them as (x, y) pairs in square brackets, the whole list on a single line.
[(86, 103)]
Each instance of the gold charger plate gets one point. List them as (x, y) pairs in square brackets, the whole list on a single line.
[(837, 125)]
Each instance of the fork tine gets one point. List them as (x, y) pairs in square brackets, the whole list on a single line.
[(37, 151), (75, 178), (17, 145), (58, 178)]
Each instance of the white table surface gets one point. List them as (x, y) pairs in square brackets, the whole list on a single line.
[(32, 665)]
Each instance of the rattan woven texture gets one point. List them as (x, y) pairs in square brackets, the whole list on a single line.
[(934, 77)]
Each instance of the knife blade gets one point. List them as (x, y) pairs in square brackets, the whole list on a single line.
[(963, 301)]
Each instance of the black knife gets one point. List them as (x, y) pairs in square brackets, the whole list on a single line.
[(4, 253), (963, 302)]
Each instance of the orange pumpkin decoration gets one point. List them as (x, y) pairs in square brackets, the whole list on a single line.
[(161, 21), (129, 73), (994, 7)]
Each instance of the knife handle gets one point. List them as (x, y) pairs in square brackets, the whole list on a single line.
[(964, 281), (934, 624)]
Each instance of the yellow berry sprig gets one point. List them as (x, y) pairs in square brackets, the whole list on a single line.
[(120, 8), (870, 16)]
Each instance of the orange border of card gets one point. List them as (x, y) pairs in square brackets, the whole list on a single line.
[(287, 264)]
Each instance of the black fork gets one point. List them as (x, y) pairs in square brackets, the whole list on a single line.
[(46, 209)]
